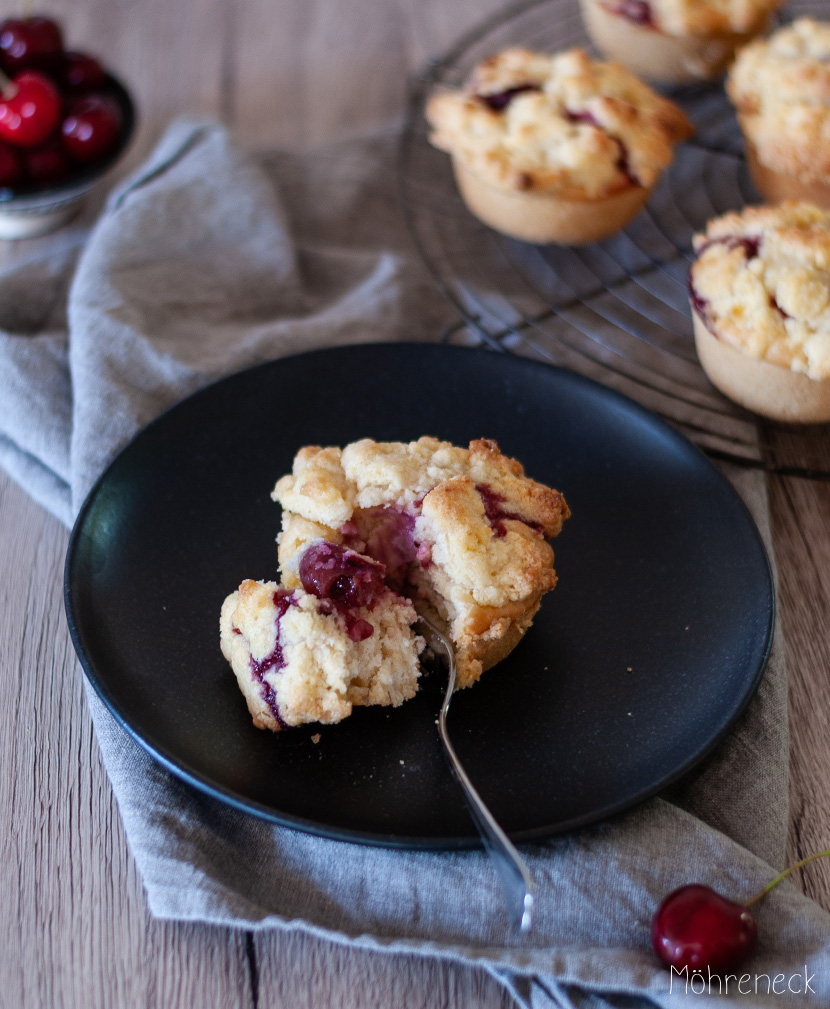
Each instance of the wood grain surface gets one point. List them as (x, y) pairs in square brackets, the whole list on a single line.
[(74, 930)]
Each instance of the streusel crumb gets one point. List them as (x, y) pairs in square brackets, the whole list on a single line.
[(762, 283), (462, 531), (559, 124), (781, 89)]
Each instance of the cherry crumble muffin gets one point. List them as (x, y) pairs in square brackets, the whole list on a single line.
[(760, 296), (370, 534), (780, 87), (555, 148)]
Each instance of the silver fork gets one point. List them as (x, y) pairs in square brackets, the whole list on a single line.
[(515, 878)]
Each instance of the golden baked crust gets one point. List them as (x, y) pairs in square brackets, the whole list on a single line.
[(781, 89), (573, 127), (761, 283), (318, 483), (545, 218), (468, 527)]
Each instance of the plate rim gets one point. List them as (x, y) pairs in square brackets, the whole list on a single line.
[(184, 772)]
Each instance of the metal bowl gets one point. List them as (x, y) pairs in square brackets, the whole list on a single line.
[(28, 211)]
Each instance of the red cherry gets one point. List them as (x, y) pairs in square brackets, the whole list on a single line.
[(92, 128), (82, 72), (697, 928), (47, 164), (10, 170), (638, 11), (30, 108), (30, 43)]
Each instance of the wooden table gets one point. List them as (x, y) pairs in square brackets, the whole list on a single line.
[(74, 930)]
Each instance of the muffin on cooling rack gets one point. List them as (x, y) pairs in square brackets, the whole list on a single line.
[(760, 295), (462, 532), (781, 90), (557, 148), (675, 41)]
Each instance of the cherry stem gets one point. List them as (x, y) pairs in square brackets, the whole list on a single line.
[(784, 874), (7, 86)]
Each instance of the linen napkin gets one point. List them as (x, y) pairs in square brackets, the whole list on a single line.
[(209, 260)]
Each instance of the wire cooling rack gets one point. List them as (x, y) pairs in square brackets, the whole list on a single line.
[(616, 311)]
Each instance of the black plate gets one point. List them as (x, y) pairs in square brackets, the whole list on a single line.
[(638, 663)]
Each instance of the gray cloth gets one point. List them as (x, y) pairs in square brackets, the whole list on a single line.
[(209, 260)]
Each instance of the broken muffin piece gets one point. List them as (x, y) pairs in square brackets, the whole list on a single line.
[(310, 656)]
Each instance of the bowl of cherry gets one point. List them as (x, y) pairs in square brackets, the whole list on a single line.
[(64, 121)]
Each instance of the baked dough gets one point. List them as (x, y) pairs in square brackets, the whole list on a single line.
[(546, 147), (760, 292), (295, 660), (780, 87), (463, 532)]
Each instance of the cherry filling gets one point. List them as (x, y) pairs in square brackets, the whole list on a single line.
[(333, 572), (624, 166), (343, 578), (581, 117), (275, 661), (501, 99), (622, 163), (638, 12), (496, 515), (700, 304), (424, 555), (751, 246), (357, 628), (390, 541)]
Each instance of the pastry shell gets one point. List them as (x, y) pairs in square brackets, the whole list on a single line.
[(770, 390), (775, 187), (548, 217), (656, 56)]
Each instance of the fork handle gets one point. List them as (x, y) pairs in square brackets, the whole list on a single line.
[(514, 875)]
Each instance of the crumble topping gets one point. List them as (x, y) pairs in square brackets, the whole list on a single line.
[(433, 491), (781, 89), (462, 531), (762, 283), (559, 124)]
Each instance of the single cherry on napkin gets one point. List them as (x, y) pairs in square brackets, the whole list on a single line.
[(30, 109), (697, 928)]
